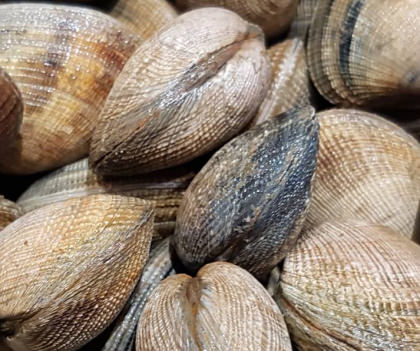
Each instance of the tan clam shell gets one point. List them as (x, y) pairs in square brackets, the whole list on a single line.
[(274, 17), (290, 86), (186, 91), (360, 54), (64, 60), (352, 286), (166, 189), (368, 168), (9, 211), (144, 17), (67, 269), (223, 308)]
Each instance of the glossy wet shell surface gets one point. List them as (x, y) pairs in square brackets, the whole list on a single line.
[(9, 211)]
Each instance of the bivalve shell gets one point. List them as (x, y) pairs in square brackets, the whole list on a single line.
[(9, 211)]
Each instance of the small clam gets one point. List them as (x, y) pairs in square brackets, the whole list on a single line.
[(144, 17), (352, 286), (360, 53), (166, 190), (186, 91), (274, 17), (67, 269), (368, 169), (290, 85), (64, 60), (223, 308), (9, 211), (247, 205)]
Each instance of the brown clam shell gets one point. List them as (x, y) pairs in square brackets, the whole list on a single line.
[(352, 286), (186, 91), (223, 308), (64, 60), (368, 168), (9, 211), (67, 269)]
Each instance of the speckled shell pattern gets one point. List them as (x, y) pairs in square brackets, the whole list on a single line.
[(290, 86), (67, 269), (273, 17), (10, 112), (144, 17), (157, 268), (184, 92), (248, 203), (165, 189), (352, 286), (360, 54), (9, 211), (368, 168), (222, 308), (64, 60)]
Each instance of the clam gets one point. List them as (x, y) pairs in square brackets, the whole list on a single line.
[(144, 17), (303, 19), (290, 85), (157, 268), (67, 269), (222, 308), (184, 92), (165, 189), (248, 203), (64, 60), (10, 112), (360, 54), (9, 211), (368, 168), (274, 17), (352, 286)]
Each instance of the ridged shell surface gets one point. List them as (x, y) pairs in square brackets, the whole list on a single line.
[(368, 169), (64, 60), (248, 203), (274, 17), (303, 19), (223, 308), (67, 269), (9, 211), (352, 286), (186, 91)]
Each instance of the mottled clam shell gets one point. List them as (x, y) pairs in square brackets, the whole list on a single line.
[(360, 54), (248, 203), (290, 86), (186, 91), (368, 169), (157, 268), (303, 19), (274, 17), (352, 286), (67, 269), (9, 211), (166, 189), (10, 112), (144, 17), (223, 308), (64, 60)]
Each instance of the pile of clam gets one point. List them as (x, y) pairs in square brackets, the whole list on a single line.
[(210, 175)]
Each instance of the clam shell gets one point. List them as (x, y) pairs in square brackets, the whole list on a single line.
[(144, 17), (360, 54), (303, 19), (180, 96), (223, 308), (64, 60), (67, 269), (157, 268), (368, 169), (9, 211), (247, 205), (165, 189), (352, 286), (10, 112), (290, 86), (274, 17)]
